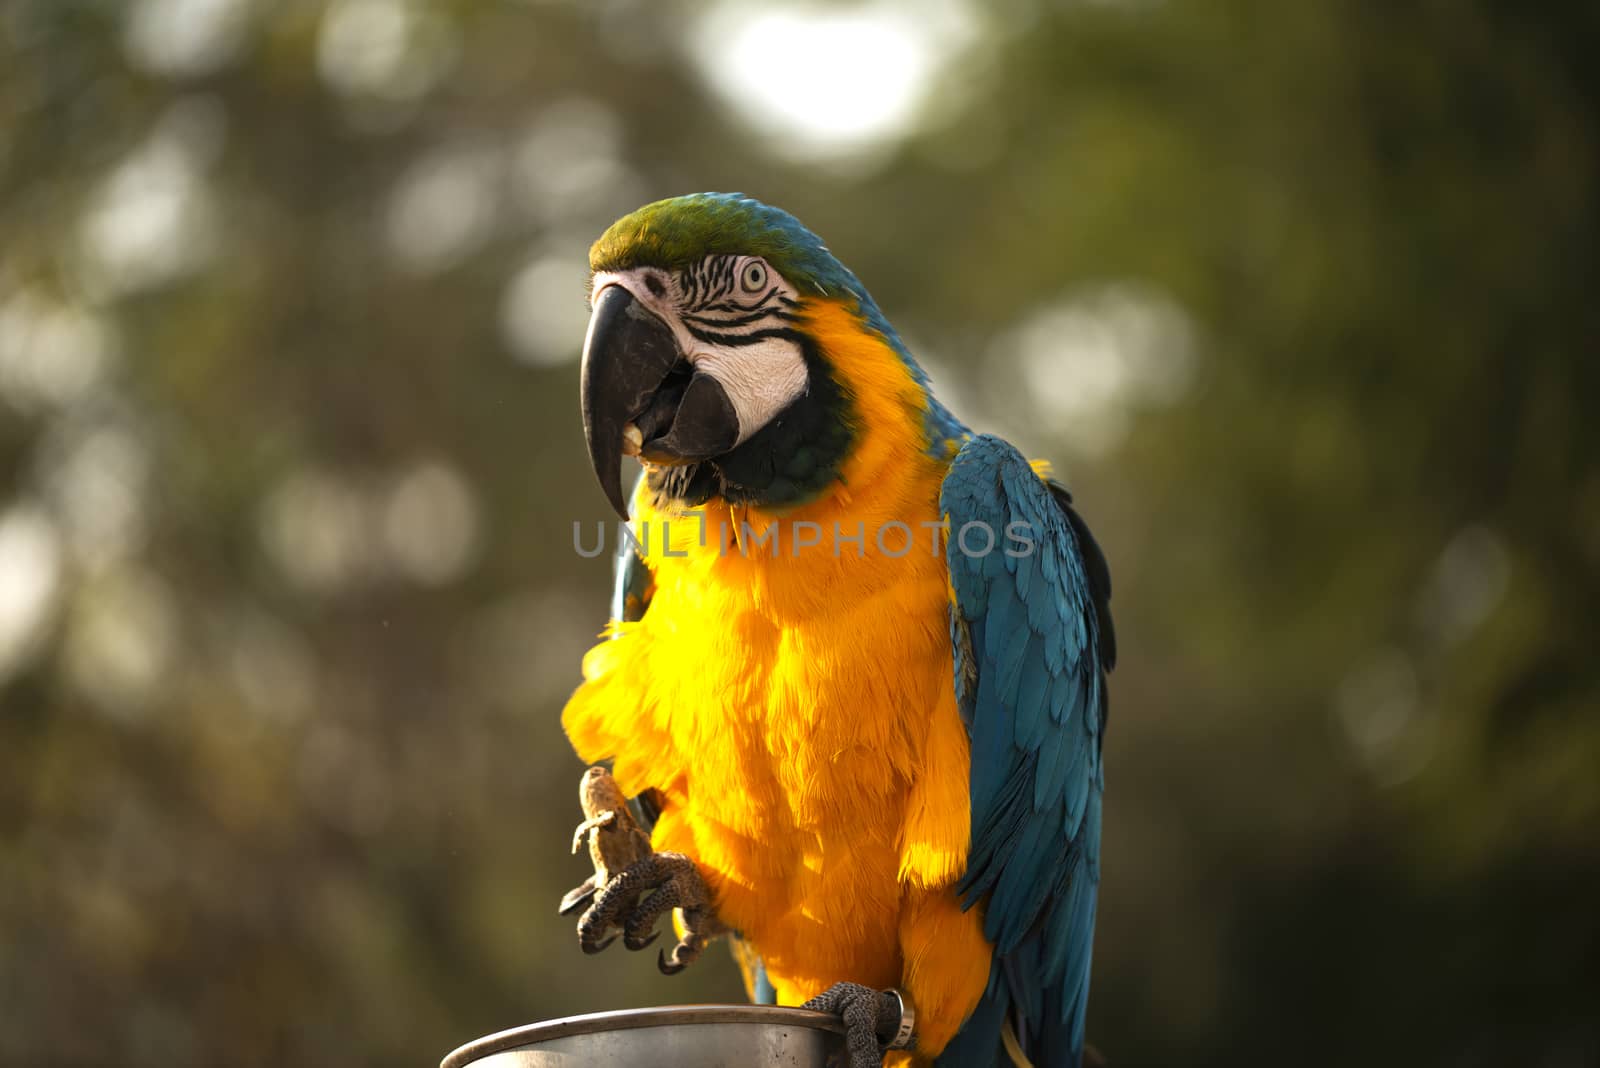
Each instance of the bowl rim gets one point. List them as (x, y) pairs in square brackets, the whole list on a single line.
[(631, 1019)]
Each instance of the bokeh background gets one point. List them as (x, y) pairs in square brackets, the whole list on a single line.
[(1300, 297)]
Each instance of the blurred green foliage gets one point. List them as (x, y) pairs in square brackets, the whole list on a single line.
[(1301, 297)]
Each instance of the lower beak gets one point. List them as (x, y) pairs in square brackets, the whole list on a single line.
[(638, 389)]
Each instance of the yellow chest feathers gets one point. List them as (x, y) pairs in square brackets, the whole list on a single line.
[(787, 709), (795, 707)]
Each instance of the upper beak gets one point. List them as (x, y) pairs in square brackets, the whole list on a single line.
[(635, 379)]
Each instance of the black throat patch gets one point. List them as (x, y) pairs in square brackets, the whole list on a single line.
[(786, 463)]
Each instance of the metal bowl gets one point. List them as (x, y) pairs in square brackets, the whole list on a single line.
[(682, 1036)]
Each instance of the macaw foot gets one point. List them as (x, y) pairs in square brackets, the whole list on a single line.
[(640, 895), (875, 1021)]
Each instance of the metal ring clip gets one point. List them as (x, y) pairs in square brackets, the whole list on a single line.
[(906, 1030)]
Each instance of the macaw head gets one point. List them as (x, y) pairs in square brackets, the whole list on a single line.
[(712, 353)]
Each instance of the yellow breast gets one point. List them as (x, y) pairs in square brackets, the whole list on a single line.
[(794, 705)]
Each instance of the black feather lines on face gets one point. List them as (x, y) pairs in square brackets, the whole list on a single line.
[(712, 312)]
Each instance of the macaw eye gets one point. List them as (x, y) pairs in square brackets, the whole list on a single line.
[(753, 277)]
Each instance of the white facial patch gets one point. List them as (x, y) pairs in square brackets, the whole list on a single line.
[(720, 313), (761, 379)]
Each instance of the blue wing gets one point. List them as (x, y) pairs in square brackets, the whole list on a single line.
[(1033, 641)]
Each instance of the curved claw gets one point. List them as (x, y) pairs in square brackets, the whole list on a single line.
[(592, 948), (666, 966), (638, 943), (576, 898)]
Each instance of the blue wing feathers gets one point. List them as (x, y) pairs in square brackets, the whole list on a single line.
[(1032, 640), (1050, 782), (1033, 701), (1003, 615), (1022, 567), (999, 838), (1063, 697), (1064, 918), (1096, 571), (1055, 661), (1009, 660), (1049, 567)]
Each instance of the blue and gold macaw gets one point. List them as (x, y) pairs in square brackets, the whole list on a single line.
[(856, 671)]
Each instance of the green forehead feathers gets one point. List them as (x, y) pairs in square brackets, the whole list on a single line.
[(675, 233)]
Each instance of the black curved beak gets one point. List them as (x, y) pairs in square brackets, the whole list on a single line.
[(636, 385)]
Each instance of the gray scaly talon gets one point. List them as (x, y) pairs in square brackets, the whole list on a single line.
[(665, 881), (875, 1021)]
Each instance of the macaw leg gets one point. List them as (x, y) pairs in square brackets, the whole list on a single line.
[(669, 879), (577, 897), (875, 1021)]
